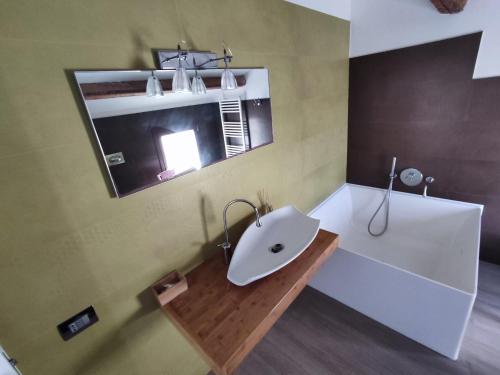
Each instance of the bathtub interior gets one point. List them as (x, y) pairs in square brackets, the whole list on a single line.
[(434, 238)]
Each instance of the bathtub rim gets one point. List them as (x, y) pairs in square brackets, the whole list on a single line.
[(397, 192), (475, 205)]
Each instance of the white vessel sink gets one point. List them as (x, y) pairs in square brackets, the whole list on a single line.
[(259, 253)]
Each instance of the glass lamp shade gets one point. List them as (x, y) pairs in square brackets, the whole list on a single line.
[(228, 80), (181, 83), (198, 86), (153, 87)]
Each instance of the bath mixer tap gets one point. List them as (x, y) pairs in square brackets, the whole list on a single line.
[(226, 245), (428, 180)]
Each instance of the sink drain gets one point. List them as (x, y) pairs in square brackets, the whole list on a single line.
[(277, 248)]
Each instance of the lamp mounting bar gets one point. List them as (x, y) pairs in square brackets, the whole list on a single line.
[(172, 59)]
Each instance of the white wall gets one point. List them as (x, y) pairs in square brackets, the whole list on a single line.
[(337, 8), (383, 25)]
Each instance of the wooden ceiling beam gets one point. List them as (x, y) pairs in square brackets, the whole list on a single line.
[(105, 90), (449, 6)]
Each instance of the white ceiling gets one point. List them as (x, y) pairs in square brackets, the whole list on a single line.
[(337, 8), (382, 25)]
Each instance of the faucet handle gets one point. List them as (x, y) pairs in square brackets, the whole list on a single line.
[(227, 255), (225, 245), (429, 179)]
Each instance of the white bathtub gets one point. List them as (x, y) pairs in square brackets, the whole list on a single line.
[(419, 278)]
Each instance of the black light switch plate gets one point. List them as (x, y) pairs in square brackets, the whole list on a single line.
[(77, 323)]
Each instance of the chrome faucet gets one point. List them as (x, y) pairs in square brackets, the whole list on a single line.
[(428, 180), (226, 245)]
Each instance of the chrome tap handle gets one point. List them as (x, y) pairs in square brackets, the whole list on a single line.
[(428, 180), (224, 245)]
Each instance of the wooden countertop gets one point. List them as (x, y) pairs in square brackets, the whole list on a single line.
[(224, 321)]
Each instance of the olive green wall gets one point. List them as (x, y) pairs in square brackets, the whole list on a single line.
[(66, 244)]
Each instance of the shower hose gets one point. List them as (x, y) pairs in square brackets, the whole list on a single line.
[(387, 201)]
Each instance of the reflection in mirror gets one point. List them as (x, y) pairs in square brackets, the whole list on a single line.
[(149, 134)]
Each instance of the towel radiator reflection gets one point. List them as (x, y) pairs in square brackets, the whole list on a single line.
[(233, 127)]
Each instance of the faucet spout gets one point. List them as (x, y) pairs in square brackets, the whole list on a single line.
[(227, 245)]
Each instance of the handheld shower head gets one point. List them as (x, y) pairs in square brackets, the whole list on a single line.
[(393, 168)]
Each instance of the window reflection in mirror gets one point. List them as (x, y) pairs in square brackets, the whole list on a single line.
[(181, 154), (162, 137)]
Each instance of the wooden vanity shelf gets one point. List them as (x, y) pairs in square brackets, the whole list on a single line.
[(224, 321)]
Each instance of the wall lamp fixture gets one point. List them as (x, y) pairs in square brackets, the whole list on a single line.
[(182, 59)]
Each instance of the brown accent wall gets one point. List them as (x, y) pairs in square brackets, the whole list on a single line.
[(422, 105)]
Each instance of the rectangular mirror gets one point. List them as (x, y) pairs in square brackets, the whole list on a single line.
[(149, 134)]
